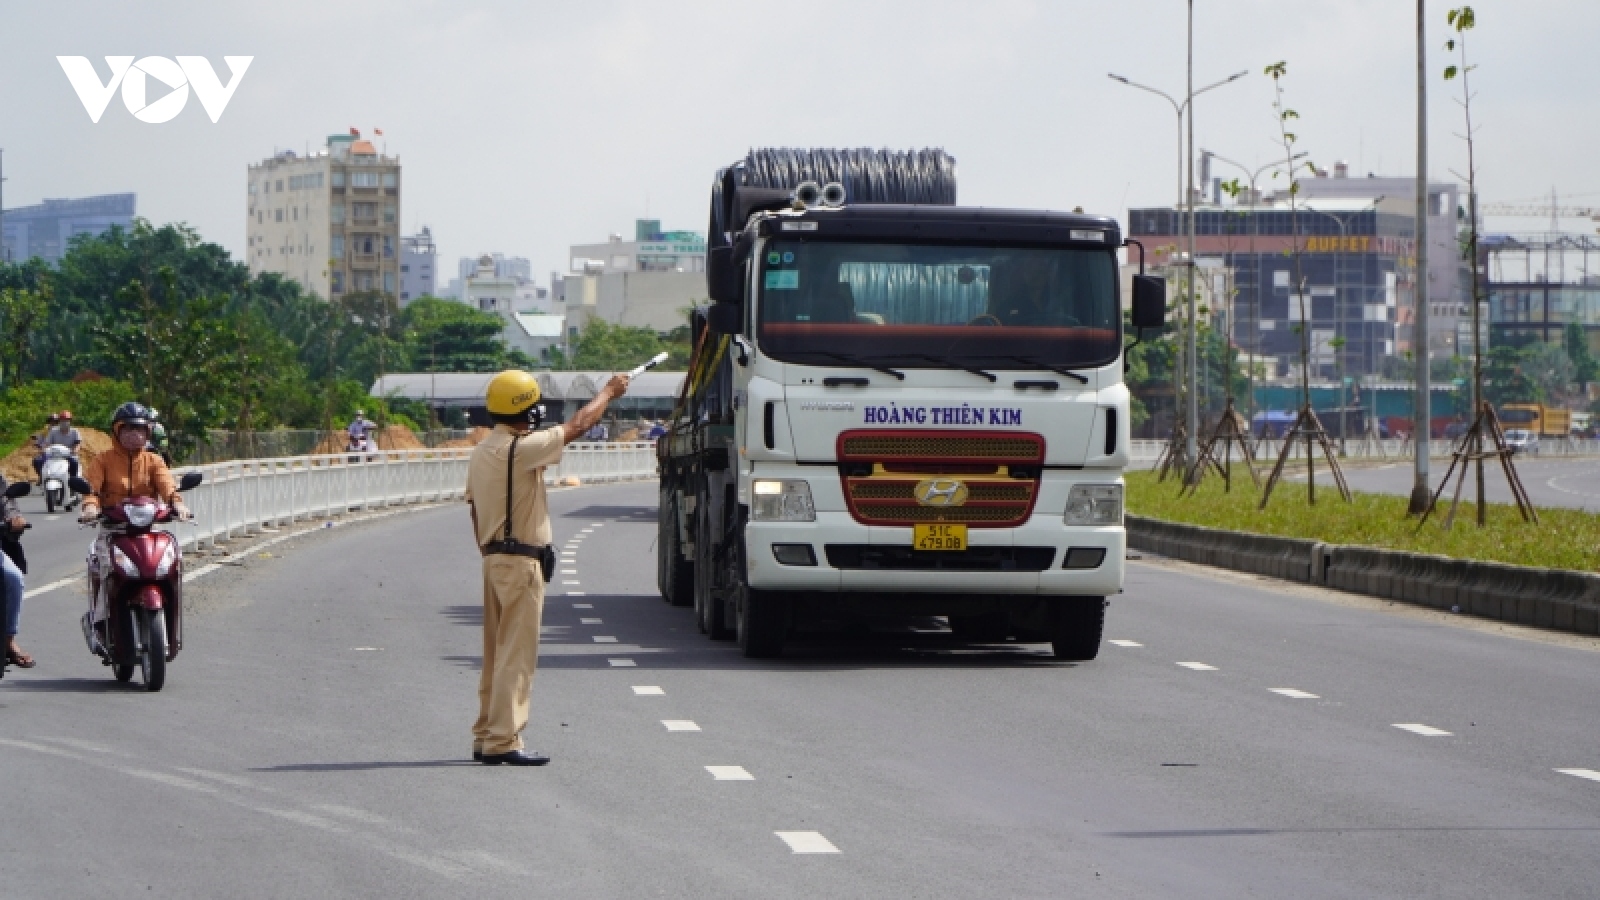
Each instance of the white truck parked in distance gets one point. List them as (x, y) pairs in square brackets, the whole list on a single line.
[(899, 407)]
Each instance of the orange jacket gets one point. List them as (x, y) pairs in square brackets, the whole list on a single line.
[(117, 475)]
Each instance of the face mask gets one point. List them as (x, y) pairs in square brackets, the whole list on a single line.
[(131, 439)]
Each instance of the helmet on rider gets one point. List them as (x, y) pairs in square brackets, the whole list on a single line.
[(512, 398), (131, 415), (66, 415), (53, 418)]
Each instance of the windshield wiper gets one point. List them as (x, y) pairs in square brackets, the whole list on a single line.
[(857, 362), (947, 361), (1033, 361)]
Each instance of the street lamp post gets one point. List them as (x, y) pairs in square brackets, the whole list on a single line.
[(1255, 230), (1186, 203)]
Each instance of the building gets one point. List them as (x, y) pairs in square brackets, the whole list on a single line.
[(47, 229), (647, 282), (1537, 284), (527, 326), (518, 267), (418, 265), (329, 221)]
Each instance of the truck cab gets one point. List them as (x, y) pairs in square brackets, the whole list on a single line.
[(904, 410)]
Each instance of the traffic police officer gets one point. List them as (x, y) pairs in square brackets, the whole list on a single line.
[(507, 469)]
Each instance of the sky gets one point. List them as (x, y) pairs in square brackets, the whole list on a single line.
[(525, 127)]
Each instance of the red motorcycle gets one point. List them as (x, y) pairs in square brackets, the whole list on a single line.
[(136, 586)]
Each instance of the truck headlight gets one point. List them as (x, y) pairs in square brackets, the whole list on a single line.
[(785, 500), (1094, 504)]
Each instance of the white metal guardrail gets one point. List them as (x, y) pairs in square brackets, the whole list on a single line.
[(245, 497)]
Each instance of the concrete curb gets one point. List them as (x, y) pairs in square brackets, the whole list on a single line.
[(1546, 598)]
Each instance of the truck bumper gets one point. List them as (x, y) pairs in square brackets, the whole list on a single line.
[(841, 530)]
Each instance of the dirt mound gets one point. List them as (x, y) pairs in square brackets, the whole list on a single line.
[(471, 440), (395, 437), (18, 464)]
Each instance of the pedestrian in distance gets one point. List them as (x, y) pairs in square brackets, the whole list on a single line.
[(511, 522)]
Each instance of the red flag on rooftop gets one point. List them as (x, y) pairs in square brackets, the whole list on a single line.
[(378, 131), (355, 132)]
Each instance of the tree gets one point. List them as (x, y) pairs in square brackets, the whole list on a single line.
[(602, 346), (446, 336), (1506, 381), (20, 309), (1549, 368)]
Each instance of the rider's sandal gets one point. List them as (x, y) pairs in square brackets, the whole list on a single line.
[(20, 660)]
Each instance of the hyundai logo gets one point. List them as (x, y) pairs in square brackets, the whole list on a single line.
[(940, 492)]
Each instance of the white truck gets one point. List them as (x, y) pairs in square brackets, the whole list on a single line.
[(899, 407)]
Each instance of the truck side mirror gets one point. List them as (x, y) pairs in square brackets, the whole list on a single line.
[(725, 318), (722, 276), (1149, 301)]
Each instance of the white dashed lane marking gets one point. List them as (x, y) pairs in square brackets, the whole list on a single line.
[(1294, 694), (604, 639), (1198, 666), (730, 773), (571, 583), (680, 725), (583, 606), (1424, 730), (569, 571), (590, 622), (578, 594), (806, 841), (1126, 643), (1590, 774), (622, 663), (648, 690)]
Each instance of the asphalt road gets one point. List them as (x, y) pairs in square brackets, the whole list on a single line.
[(312, 740), (1551, 481)]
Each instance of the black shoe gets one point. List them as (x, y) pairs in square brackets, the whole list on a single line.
[(477, 754), (514, 758)]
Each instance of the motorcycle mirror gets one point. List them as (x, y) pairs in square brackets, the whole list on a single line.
[(18, 489), (190, 481), (79, 485)]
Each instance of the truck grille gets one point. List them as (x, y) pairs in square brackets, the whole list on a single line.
[(881, 471)]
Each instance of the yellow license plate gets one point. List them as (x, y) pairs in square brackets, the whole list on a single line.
[(939, 537)]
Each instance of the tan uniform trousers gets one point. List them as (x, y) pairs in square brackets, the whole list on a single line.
[(513, 604)]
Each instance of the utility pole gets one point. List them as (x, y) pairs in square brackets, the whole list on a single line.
[(4, 256), (1421, 494), (1191, 449)]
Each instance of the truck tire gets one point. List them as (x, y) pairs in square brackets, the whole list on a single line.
[(1075, 627), (763, 622), (674, 574)]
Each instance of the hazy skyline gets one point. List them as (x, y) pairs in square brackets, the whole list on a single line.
[(527, 127)]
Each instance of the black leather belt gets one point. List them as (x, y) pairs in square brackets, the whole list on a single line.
[(515, 548)]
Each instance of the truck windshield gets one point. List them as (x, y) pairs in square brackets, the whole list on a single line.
[(911, 304)]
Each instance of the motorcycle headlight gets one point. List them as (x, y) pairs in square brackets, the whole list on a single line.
[(140, 515), (124, 563), (1094, 504), (781, 500), (169, 556)]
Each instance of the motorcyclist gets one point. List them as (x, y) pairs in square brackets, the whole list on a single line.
[(360, 428), (158, 437), (126, 470), (12, 567), (59, 432)]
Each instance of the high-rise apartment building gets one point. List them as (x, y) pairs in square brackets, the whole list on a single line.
[(47, 229), (418, 265), (330, 221)]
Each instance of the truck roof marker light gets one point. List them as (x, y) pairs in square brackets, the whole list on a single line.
[(1079, 234)]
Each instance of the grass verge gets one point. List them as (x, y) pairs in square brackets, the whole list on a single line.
[(1563, 539)]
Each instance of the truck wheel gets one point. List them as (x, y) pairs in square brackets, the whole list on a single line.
[(763, 622), (1075, 627), (985, 627), (674, 574)]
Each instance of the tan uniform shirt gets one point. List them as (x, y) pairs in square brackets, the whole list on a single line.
[(486, 484)]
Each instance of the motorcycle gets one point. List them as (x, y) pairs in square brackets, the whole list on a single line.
[(136, 580), (53, 476), (11, 545)]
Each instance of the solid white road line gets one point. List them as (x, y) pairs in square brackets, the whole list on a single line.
[(1294, 694), (604, 639), (1590, 774), (648, 690), (680, 725), (622, 663), (806, 841), (590, 622), (27, 595), (730, 773), (1127, 643), (1198, 666), (1424, 730)]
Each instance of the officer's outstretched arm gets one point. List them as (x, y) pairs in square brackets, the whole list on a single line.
[(594, 409)]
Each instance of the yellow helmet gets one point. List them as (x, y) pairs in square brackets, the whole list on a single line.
[(511, 392)]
